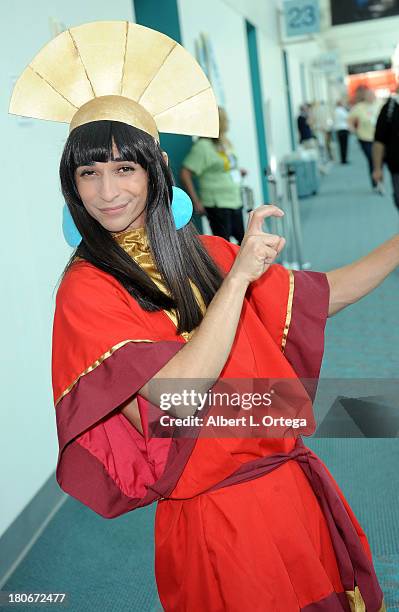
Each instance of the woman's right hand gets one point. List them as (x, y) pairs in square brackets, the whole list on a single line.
[(258, 249)]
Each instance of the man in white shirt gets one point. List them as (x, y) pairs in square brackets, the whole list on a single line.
[(342, 129)]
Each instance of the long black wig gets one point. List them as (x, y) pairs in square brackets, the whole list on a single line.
[(178, 254)]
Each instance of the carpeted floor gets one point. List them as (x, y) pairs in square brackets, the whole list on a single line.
[(108, 565)]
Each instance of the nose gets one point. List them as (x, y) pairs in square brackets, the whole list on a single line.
[(109, 188)]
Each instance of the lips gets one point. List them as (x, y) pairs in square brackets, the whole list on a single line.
[(115, 210)]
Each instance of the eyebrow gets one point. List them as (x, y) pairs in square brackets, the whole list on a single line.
[(117, 159)]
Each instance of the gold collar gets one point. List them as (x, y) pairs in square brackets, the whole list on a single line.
[(133, 241)]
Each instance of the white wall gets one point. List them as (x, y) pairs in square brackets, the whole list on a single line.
[(264, 15), (224, 22), (273, 76), (226, 30), (305, 53), (33, 252)]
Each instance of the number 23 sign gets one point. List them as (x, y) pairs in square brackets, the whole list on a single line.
[(301, 17)]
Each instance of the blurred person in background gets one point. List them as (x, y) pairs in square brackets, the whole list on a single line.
[(341, 128), (214, 163), (322, 125), (386, 144), (362, 120), (306, 136), (309, 137)]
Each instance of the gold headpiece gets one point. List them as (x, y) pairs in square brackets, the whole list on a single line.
[(121, 71)]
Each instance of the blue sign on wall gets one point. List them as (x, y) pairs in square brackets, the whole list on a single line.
[(301, 17)]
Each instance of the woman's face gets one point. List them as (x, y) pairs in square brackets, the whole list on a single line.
[(114, 193)]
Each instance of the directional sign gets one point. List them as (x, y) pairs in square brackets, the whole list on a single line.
[(301, 17)]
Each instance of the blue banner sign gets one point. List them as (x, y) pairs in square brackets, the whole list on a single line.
[(301, 17)]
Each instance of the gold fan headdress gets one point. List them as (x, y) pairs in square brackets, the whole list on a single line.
[(121, 71)]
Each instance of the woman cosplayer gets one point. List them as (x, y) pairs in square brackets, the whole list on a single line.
[(243, 522)]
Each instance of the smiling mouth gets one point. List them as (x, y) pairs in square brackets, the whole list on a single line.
[(113, 210)]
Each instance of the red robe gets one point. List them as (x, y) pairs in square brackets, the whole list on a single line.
[(247, 523)]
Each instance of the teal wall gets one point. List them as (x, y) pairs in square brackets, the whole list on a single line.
[(164, 17), (258, 106), (161, 15), (291, 117)]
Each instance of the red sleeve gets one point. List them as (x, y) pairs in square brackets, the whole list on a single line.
[(304, 346), (105, 348), (293, 306), (268, 295)]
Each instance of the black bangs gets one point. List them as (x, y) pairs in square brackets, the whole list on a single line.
[(178, 255), (92, 143)]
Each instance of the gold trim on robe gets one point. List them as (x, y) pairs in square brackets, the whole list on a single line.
[(98, 362), (289, 310)]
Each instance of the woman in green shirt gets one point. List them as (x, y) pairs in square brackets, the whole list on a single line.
[(213, 162)]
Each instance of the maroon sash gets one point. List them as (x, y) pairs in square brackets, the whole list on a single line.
[(354, 566)]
